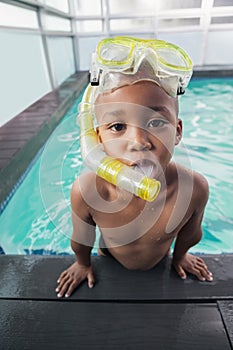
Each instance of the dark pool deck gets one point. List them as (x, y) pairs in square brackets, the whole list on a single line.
[(125, 310)]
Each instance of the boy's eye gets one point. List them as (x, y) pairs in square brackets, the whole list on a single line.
[(117, 127), (156, 123)]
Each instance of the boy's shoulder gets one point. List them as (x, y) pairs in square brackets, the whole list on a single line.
[(80, 196), (88, 187), (84, 179), (190, 180), (84, 183), (186, 173), (200, 189)]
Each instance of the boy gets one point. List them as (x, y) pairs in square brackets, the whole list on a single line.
[(137, 115)]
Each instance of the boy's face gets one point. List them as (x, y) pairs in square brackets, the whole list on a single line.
[(138, 125)]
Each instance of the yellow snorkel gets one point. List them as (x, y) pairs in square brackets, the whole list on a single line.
[(116, 62), (110, 169)]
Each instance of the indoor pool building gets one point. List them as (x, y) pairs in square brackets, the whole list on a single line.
[(46, 65)]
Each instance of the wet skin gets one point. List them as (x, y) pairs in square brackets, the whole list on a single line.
[(138, 124)]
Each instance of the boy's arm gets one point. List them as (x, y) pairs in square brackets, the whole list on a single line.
[(190, 235), (83, 236), (82, 241)]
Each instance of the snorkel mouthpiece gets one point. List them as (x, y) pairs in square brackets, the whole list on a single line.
[(108, 168), (121, 175)]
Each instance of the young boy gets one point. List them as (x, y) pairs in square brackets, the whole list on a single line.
[(137, 115)]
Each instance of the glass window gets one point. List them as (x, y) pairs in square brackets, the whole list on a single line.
[(179, 4), (223, 3), (191, 42), (89, 26), (218, 50), (61, 5), (86, 47), (126, 7), (56, 23), (178, 22), (87, 7), (17, 17), (23, 72), (62, 57), (222, 20), (134, 24)]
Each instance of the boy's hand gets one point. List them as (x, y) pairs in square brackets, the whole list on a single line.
[(72, 277), (194, 265)]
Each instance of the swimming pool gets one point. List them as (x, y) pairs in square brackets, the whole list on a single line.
[(37, 218)]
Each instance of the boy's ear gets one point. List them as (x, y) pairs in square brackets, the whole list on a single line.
[(179, 129)]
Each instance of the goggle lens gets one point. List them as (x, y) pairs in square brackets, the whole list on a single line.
[(169, 64), (170, 57), (119, 53), (110, 52)]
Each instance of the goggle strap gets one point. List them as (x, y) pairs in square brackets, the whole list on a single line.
[(180, 91), (94, 72)]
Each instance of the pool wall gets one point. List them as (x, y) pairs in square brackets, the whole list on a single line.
[(23, 136)]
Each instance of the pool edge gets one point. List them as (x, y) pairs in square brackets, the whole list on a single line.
[(37, 122)]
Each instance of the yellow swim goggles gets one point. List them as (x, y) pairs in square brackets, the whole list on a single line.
[(123, 54)]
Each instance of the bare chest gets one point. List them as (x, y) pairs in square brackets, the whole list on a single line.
[(150, 223)]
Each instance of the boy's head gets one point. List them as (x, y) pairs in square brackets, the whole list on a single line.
[(136, 101), (135, 84)]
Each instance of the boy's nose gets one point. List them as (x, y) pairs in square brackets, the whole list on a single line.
[(138, 139)]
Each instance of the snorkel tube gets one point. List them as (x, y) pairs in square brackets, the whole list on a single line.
[(108, 168)]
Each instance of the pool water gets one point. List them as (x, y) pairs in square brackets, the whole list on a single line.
[(37, 218)]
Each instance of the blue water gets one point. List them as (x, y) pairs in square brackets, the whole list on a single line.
[(37, 219)]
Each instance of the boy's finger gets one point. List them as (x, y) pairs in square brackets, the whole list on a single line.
[(210, 278), (181, 272), (91, 280), (61, 291), (62, 282), (199, 274), (63, 274), (63, 288), (73, 285), (71, 289), (209, 275), (201, 261), (206, 274), (202, 265)]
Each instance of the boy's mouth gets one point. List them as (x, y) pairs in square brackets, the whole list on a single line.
[(146, 167)]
